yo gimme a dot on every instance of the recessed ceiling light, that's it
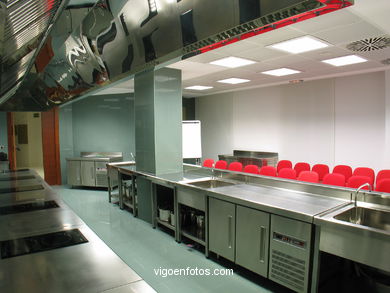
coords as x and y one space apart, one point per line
233 80
300 45
345 60
198 87
281 72
232 62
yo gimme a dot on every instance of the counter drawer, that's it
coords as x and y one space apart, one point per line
191 198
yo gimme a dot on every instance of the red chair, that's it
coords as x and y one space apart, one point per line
251 169
343 169
301 166
221 164
321 170
235 166
287 173
208 163
268 171
283 164
334 179
308 176
355 181
364 171
382 174
383 185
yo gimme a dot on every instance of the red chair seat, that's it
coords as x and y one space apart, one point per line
235 166
251 169
364 171
321 170
283 164
383 185
308 176
343 169
356 181
301 166
221 164
334 179
287 173
382 174
268 171
208 163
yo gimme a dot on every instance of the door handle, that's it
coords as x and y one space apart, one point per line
262 243
230 219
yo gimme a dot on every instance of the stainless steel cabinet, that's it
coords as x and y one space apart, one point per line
222 219
252 238
74 172
88 173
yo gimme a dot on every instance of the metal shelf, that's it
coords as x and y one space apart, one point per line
165 224
193 238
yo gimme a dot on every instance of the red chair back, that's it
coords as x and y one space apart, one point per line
364 171
221 164
308 176
264 162
301 166
321 170
283 164
251 169
208 163
268 171
355 181
235 166
287 173
334 179
343 169
383 185
382 174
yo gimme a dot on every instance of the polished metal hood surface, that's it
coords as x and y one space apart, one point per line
24 29
119 38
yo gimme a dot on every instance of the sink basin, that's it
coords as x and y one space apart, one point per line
211 183
366 217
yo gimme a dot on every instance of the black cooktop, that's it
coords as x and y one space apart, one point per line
28 207
15 177
39 243
20 188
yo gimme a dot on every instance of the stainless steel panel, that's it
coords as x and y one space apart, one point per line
118 39
191 198
73 169
135 287
356 240
222 232
290 248
252 240
89 267
88 177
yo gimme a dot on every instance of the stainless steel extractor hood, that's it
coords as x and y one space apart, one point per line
24 27
119 38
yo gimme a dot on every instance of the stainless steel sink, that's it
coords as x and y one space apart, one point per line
211 183
366 217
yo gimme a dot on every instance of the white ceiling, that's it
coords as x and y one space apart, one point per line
363 20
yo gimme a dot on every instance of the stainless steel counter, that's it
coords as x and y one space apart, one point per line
86 267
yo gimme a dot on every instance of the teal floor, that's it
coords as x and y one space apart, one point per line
146 249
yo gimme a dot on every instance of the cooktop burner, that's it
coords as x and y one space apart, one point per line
17 177
20 188
39 243
28 207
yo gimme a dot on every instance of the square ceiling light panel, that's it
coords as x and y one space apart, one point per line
281 72
232 62
233 80
198 87
345 60
300 45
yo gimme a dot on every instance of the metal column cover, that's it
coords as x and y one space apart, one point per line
158 116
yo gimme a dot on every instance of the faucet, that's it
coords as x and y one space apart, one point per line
360 188
213 171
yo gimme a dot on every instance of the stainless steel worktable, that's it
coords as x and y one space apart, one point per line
85 267
293 204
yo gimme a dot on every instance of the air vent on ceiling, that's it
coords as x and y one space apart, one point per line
386 61
370 44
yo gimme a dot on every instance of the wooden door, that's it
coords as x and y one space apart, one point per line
51 146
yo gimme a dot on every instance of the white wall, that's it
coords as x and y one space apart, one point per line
333 121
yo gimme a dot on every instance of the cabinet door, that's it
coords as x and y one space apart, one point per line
88 173
73 172
252 238
222 219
